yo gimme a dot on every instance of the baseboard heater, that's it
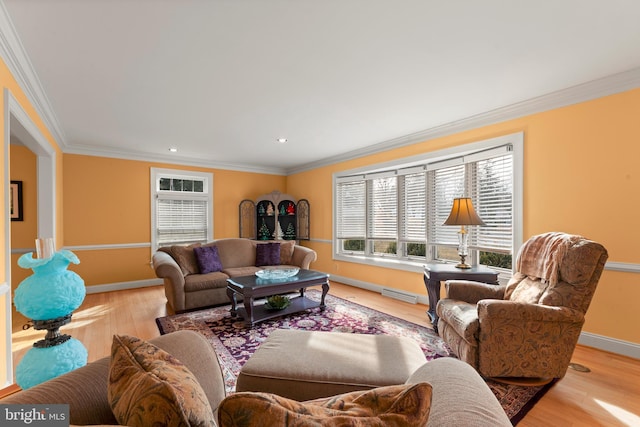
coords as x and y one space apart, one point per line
392 293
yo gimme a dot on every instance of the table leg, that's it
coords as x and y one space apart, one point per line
325 291
248 307
232 296
433 290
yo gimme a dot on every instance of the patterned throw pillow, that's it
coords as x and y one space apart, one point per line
268 254
208 259
186 258
286 251
406 405
147 386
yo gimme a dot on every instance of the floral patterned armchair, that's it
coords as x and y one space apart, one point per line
529 327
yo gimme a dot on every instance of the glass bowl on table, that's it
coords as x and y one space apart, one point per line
277 273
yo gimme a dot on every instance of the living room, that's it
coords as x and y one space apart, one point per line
579 163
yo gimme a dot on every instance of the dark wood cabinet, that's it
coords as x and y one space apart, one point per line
274 216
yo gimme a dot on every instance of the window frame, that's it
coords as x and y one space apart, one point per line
207 194
413 163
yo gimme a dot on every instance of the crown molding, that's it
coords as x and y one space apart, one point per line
609 85
15 57
170 159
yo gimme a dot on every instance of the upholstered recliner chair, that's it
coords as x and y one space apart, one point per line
529 327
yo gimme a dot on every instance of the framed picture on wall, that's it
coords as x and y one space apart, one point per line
16 201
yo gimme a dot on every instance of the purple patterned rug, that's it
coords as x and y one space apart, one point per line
235 343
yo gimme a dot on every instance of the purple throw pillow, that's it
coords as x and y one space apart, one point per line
208 259
268 254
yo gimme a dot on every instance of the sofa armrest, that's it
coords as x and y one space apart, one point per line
472 292
168 269
303 256
460 396
85 389
197 354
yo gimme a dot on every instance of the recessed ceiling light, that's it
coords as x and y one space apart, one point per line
173 149
281 140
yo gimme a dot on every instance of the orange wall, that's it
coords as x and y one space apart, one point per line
580 176
23 233
107 202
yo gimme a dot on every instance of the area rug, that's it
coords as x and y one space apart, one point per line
234 342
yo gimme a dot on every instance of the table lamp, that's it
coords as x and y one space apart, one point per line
462 213
48 297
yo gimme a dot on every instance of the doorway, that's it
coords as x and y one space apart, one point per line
19 126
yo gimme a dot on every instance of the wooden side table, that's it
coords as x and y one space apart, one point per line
434 273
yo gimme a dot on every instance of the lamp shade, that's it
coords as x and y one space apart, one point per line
463 213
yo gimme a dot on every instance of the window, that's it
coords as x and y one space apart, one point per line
413 223
181 207
382 228
486 177
396 213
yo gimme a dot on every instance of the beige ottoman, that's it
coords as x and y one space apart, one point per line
304 365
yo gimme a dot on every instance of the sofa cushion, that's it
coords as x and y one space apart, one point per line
268 254
208 259
148 386
185 257
202 282
286 251
397 405
241 271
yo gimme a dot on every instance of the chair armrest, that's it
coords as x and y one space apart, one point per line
493 310
472 292
538 340
303 256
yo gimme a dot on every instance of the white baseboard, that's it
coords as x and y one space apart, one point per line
421 298
120 286
611 345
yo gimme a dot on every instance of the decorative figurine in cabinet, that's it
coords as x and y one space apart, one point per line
274 216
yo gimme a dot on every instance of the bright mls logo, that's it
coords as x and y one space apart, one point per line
34 415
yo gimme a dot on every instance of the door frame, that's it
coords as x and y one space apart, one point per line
18 123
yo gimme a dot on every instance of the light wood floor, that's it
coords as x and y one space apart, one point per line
606 396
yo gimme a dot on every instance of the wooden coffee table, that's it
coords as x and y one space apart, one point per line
253 287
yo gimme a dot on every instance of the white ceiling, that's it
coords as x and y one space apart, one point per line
222 80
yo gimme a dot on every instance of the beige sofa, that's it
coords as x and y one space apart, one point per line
459 395
186 288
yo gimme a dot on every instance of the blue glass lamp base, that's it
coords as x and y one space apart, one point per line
41 364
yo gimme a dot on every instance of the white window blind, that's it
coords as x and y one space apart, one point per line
492 194
445 184
413 202
351 212
383 208
181 221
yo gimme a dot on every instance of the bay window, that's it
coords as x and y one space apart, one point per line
396 213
